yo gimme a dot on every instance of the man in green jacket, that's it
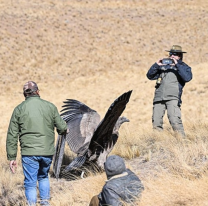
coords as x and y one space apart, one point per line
33 122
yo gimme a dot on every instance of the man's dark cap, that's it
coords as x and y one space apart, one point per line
30 87
114 165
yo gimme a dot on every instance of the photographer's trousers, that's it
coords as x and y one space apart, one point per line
173 113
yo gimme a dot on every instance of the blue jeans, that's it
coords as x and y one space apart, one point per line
36 168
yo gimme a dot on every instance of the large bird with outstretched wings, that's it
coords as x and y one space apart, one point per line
89 138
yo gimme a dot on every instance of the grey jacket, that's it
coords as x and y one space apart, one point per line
121 188
173 79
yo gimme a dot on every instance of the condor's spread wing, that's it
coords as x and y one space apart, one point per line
82 121
102 137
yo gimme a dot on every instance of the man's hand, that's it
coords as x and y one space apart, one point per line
159 62
13 165
175 61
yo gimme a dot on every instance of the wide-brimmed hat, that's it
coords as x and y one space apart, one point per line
30 87
176 49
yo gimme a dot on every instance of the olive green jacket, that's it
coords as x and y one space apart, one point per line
33 122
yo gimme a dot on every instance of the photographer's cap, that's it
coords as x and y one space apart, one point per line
176 49
30 87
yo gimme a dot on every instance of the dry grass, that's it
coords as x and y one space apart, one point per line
93 51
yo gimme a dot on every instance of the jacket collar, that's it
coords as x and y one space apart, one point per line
117 176
32 96
180 61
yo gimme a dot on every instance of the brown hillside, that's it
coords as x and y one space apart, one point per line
96 50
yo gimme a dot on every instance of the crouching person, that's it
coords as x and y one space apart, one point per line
122 185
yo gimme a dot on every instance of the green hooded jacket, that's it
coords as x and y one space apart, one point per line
33 122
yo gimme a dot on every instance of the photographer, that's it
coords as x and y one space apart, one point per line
171 75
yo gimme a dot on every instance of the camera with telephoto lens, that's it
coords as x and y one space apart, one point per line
167 61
